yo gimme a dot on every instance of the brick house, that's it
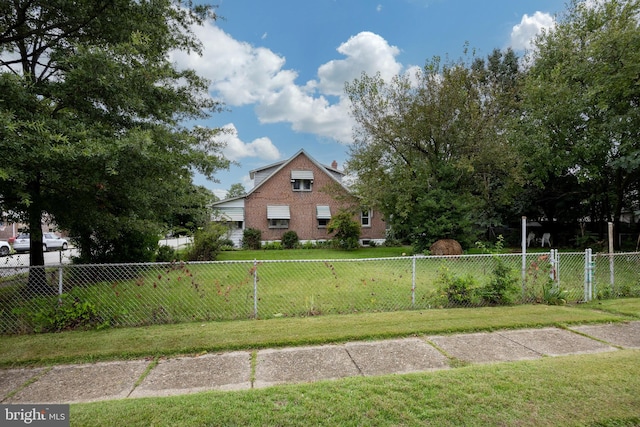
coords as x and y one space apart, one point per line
297 194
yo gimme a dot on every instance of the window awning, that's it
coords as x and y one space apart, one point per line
323 212
302 175
231 214
278 212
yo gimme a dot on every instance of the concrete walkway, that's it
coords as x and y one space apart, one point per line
235 370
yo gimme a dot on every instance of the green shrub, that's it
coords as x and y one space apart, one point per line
207 242
226 244
502 289
165 254
459 291
554 295
65 312
619 291
290 239
346 244
308 245
272 246
347 231
129 243
251 238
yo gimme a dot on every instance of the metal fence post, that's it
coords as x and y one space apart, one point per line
524 255
557 269
554 271
611 273
255 289
60 280
588 275
413 282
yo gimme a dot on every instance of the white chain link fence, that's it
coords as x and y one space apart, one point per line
67 296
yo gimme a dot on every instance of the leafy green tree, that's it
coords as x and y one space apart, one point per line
431 150
580 129
236 190
91 113
194 211
347 230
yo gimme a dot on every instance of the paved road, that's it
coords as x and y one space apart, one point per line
65 257
50 258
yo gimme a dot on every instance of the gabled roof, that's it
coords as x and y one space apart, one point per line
281 165
278 166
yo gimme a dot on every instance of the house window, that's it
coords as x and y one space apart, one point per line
278 223
301 180
278 216
323 215
365 218
301 184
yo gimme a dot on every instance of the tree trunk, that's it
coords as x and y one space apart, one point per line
37 283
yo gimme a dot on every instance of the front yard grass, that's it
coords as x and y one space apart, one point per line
595 390
198 337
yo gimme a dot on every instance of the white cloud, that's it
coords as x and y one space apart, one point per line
308 114
523 34
237 149
242 74
366 52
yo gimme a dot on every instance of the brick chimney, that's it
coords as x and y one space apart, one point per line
334 165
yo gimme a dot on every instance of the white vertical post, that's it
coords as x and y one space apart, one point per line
557 263
592 275
611 274
255 289
588 275
553 260
524 253
413 282
60 279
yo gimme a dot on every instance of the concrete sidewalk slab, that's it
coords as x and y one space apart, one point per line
12 379
233 370
555 342
303 364
83 383
225 371
395 356
621 334
483 347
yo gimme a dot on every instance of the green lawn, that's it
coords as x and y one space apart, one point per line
196 337
597 389
289 283
319 253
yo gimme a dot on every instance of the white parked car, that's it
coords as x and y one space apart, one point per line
49 242
4 248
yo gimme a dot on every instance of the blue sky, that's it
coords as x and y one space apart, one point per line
280 66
